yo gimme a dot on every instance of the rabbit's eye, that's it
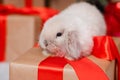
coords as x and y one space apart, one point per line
59 34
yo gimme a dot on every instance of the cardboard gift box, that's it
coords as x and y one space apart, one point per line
20 33
22 3
26 67
30 66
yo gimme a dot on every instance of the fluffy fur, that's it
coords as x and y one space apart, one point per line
71 32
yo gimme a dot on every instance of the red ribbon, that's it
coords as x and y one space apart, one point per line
112 17
104 48
85 69
28 3
2 36
42 12
51 68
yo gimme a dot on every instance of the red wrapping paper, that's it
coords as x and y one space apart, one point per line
112 17
104 48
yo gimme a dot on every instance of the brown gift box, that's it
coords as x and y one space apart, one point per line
26 66
22 34
21 3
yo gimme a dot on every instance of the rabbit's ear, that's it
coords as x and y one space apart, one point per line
72 44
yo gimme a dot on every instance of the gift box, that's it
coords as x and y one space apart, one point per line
26 67
22 3
18 34
35 66
19 29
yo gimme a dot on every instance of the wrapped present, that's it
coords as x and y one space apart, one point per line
18 34
22 3
19 29
100 65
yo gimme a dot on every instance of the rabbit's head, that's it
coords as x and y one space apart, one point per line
59 39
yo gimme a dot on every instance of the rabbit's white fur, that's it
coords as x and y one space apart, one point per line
79 23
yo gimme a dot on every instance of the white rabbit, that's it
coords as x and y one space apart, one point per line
70 33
